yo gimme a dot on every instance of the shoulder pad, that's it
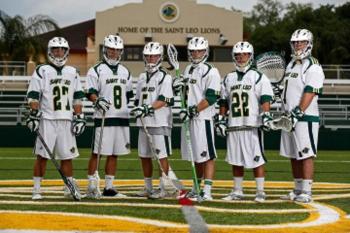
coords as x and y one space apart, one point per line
209 66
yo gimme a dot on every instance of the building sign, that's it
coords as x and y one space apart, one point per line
169 30
169 12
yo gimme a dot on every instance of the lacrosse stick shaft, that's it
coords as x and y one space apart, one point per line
67 182
176 183
99 150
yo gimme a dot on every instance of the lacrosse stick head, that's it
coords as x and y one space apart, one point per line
272 64
284 123
172 56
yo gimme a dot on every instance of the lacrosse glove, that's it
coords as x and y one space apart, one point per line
267 121
187 114
220 125
143 111
102 104
277 91
78 125
295 115
33 120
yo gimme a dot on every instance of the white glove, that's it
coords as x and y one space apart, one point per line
78 124
267 121
178 85
33 120
143 111
102 104
220 125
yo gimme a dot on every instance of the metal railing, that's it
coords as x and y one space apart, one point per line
13 68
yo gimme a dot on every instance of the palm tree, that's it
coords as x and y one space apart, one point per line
19 39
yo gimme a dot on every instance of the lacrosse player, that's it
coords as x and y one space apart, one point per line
154 98
303 83
247 94
202 92
109 87
54 97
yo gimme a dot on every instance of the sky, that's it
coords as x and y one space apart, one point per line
69 12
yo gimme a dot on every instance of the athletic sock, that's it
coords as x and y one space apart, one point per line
207 187
260 184
37 181
307 185
148 183
298 184
238 180
109 181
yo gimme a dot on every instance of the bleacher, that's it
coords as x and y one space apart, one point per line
334 103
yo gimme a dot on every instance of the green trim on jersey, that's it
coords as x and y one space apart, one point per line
310 89
78 95
37 70
210 66
114 69
260 74
164 74
112 122
310 118
58 69
33 95
169 101
265 98
96 66
212 96
240 75
312 61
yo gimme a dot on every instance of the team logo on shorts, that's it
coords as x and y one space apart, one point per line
305 150
204 154
127 145
157 151
257 158
72 149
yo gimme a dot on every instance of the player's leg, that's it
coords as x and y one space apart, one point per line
38 174
259 174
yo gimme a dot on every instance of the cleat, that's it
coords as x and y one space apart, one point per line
67 193
303 198
291 196
112 193
143 193
37 196
160 194
93 193
191 194
202 197
234 196
260 197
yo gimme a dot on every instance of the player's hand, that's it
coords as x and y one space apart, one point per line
143 111
220 125
178 85
102 104
33 120
295 115
78 124
187 114
267 121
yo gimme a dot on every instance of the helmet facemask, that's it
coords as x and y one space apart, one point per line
116 43
55 47
298 36
152 48
243 48
198 43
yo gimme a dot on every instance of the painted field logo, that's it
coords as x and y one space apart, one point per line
169 12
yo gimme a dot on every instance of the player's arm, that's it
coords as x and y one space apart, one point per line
33 96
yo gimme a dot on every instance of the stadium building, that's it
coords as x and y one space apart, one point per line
164 21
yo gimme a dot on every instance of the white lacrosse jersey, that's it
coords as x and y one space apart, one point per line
302 78
244 94
153 87
203 81
114 83
55 88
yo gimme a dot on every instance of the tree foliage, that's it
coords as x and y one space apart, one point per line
271 24
18 36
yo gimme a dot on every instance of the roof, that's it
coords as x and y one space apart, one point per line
75 35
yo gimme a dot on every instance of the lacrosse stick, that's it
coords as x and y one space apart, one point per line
96 175
174 182
283 122
71 186
240 128
172 56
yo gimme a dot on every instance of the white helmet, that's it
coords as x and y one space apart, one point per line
153 48
57 42
198 43
113 42
301 35
243 47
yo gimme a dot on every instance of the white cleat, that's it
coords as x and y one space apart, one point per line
303 198
234 196
291 196
37 196
260 197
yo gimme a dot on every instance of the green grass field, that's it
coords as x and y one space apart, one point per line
331 166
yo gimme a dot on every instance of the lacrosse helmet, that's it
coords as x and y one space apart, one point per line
301 35
198 43
243 47
112 42
57 42
153 48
